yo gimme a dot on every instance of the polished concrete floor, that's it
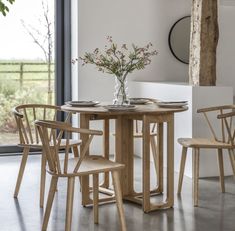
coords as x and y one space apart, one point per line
216 211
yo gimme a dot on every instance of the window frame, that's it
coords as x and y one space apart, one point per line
63 86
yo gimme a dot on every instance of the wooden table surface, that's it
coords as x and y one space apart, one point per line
149 113
150 108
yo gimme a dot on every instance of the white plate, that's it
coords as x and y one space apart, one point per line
172 103
82 103
120 107
138 101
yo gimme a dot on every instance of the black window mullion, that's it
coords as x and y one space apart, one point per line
63 52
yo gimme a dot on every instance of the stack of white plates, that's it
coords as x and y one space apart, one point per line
171 104
120 107
82 103
138 101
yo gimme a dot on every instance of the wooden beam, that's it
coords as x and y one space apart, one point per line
203 42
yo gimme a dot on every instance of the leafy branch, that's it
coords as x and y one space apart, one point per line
119 61
4 7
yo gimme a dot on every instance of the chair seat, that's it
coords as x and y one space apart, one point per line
62 145
90 165
140 134
202 143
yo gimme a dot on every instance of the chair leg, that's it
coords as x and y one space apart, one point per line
95 197
106 145
76 154
43 179
75 151
195 175
69 206
221 169
50 199
21 170
118 195
232 160
182 166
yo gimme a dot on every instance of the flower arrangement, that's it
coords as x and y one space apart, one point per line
119 61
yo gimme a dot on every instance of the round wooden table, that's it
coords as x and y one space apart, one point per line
149 113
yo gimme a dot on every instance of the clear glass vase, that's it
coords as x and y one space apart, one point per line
121 96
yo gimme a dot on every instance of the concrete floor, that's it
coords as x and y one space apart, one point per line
216 211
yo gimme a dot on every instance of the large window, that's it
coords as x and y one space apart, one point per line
29 72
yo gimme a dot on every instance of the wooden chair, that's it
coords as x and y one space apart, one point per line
25 116
220 140
75 167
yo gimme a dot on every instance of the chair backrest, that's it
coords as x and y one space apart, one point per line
48 131
225 125
229 122
25 116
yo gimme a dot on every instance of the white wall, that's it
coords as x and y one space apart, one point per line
129 21
139 22
226 48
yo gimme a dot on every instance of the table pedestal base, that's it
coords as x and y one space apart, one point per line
124 154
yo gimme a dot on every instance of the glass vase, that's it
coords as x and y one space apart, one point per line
121 96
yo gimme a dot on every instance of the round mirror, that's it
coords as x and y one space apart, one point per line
179 39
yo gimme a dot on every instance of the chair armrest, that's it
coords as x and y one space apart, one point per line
66 127
15 112
215 108
87 131
226 115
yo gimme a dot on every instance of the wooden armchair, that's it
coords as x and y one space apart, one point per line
25 116
71 168
220 140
